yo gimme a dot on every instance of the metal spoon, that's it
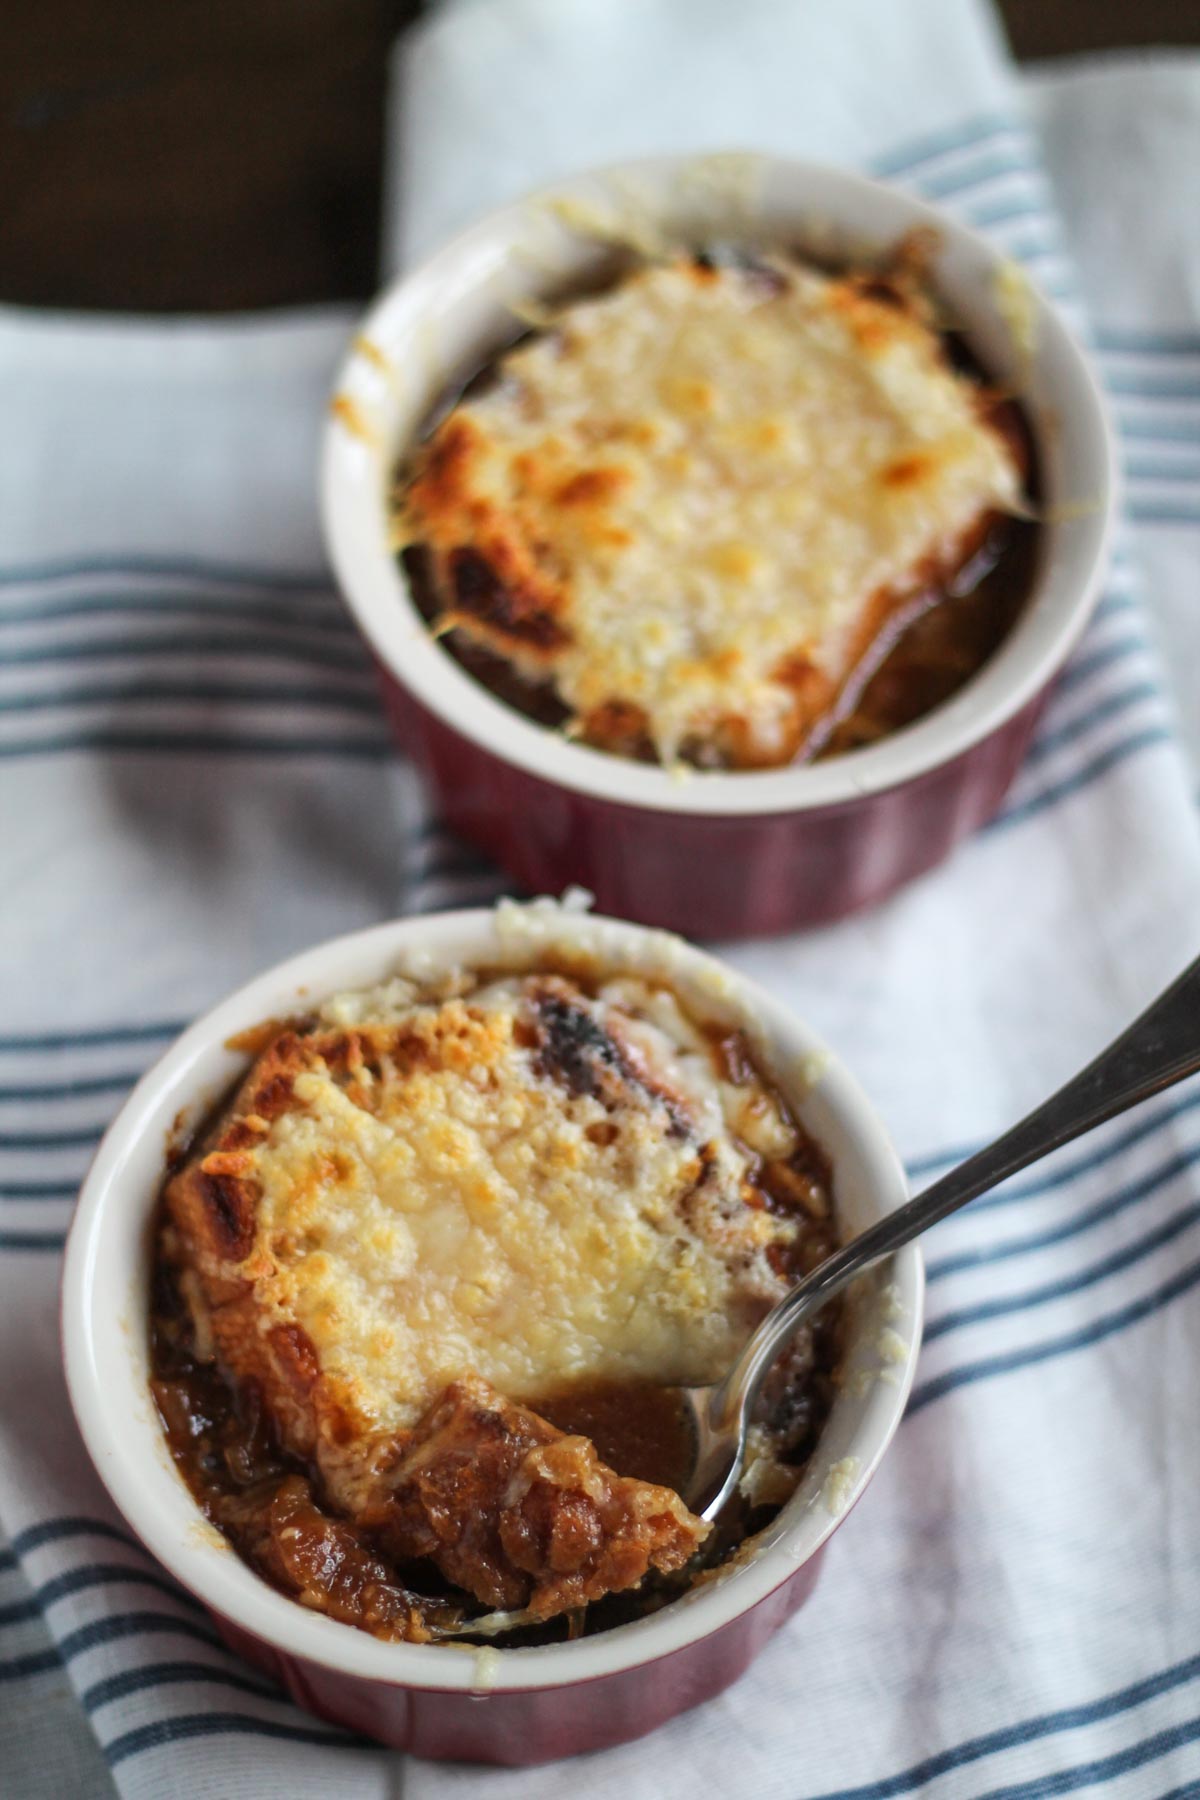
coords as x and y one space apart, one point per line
1161 1047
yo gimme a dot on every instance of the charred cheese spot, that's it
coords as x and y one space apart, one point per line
488 600
230 1211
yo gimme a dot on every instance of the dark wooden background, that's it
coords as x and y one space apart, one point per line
207 154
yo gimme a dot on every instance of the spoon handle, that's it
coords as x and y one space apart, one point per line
1161 1047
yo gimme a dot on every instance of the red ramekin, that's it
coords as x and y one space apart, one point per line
507 1706
723 854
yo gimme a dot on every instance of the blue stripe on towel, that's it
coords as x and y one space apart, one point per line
32 1243
1101 1769
70 1090
1005 212
114 1627
957 1318
91 1575
53 1531
1119 341
1152 737
991 168
1097 1214
202 1725
148 693
200 743
231 643
1143 386
1163 512
1026 1731
167 1674
1094 662
1140 428
1112 706
1162 471
372 749
185 568
234 610
1029 1355
21 1193
22 1668
1067 1170
92 1036
966 135
50 1140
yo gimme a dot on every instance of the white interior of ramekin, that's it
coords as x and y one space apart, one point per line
436 324
105 1287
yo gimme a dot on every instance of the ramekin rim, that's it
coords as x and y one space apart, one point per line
123 1450
1013 676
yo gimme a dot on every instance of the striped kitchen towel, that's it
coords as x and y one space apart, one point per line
195 780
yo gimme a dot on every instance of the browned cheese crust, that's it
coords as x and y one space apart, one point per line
693 513
510 1509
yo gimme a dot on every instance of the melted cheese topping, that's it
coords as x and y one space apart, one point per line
523 1193
694 496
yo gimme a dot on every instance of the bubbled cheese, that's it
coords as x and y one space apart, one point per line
700 491
473 1205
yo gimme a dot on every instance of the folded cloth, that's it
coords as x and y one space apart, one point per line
1121 138
194 781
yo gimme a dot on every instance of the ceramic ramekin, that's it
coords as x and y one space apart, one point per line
512 1706
716 855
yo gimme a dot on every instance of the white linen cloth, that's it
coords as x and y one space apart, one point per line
194 781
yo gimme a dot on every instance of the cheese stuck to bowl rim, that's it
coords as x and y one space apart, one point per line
457 306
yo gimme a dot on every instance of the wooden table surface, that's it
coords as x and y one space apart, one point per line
209 154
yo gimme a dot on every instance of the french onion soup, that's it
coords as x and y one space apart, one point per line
730 512
425 1282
